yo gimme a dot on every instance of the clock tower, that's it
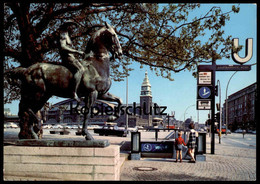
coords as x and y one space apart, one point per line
146 100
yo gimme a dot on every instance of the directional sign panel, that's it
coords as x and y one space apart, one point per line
203 104
233 67
204 92
224 67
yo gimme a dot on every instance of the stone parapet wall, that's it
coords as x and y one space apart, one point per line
61 163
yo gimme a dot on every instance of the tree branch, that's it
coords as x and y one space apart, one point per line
12 53
41 26
142 60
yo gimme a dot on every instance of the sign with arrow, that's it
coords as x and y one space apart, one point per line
204 92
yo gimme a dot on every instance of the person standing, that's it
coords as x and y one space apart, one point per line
192 142
178 146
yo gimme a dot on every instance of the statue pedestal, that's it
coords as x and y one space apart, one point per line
61 163
62 143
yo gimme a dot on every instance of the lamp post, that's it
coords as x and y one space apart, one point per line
227 102
185 112
126 115
226 98
220 112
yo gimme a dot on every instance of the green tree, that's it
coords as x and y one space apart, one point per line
165 37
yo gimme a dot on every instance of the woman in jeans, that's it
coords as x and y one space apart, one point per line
192 142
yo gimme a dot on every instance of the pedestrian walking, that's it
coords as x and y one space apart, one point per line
179 142
192 142
244 132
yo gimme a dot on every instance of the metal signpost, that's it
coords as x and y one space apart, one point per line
206 89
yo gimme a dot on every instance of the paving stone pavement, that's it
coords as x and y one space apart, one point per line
229 163
234 160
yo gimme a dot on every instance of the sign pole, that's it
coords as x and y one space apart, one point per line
213 108
204 79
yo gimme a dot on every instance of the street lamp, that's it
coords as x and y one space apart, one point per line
126 115
220 112
185 112
227 102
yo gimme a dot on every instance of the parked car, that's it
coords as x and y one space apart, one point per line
249 131
132 129
228 131
110 130
91 127
238 131
47 126
57 126
68 126
140 127
11 125
74 126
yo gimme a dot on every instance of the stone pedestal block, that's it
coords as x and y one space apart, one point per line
61 163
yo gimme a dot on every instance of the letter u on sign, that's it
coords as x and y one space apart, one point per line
248 51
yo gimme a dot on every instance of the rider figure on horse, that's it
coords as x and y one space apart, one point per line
67 55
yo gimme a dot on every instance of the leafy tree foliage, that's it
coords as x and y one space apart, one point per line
165 37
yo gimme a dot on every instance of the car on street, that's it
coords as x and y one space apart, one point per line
238 131
74 127
110 130
132 129
140 127
228 131
57 126
47 126
68 126
250 131
11 125
91 127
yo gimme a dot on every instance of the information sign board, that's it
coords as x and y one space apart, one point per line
205 78
156 147
203 104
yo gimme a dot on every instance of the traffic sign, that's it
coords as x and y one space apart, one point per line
203 104
224 68
205 78
233 67
204 92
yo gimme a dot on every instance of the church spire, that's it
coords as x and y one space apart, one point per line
146 86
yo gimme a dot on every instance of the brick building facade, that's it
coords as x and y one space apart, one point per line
241 108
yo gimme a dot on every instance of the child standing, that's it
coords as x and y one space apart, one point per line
178 146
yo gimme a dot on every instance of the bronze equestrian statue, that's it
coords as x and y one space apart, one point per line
67 55
41 81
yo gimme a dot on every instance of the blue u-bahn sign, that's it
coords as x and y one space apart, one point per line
204 92
156 147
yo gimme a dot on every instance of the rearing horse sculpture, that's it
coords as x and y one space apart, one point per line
40 81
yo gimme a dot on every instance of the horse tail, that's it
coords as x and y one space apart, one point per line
15 76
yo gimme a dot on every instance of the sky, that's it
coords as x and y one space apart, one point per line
180 95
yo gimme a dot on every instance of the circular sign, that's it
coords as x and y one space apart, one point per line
147 147
204 92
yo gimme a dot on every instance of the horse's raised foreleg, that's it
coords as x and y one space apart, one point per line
110 97
89 101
